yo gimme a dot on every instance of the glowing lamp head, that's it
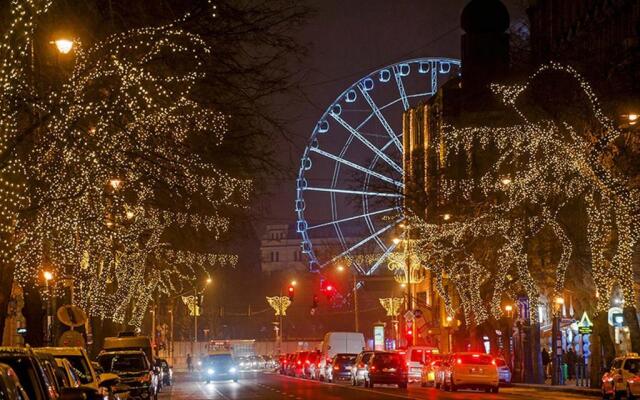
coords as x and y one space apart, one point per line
340 268
446 217
508 308
449 319
396 241
294 283
130 214
48 275
633 118
64 46
559 300
506 181
115 183
209 280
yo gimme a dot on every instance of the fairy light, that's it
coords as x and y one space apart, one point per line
550 165
81 192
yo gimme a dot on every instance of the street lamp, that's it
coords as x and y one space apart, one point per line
340 268
48 276
446 217
558 376
209 280
294 283
509 309
115 183
64 46
633 118
506 181
396 241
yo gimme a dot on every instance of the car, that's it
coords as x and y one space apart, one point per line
338 342
359 367
70 376
440 369
384 367
471 370
10 386
167 372
622 377
298 363
428 373
310 366
135 371
504 372
36 381
291 364
220 366
416 357
340 367
79 360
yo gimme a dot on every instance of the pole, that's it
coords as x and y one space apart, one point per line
154 344
355 303
171 333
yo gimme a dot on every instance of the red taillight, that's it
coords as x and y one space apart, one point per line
299 362
373 368
361 365
459 360
493 361
336 368
307 362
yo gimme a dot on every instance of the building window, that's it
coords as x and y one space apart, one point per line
272 256
277 256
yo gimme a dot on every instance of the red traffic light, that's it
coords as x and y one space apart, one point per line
290 292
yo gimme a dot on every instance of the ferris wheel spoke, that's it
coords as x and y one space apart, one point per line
354 217
381 117
367 143
401 89
357 192
356 166
362 242
384 256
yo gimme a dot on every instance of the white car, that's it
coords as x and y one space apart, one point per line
416 357
471 370
504 372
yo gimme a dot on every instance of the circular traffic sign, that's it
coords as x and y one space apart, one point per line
72 315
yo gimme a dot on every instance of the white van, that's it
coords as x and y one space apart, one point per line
338 343
416 357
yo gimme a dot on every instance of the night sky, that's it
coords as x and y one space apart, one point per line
346 40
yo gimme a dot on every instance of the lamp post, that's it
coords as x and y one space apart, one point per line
558 377
171 334
48 276
64 46
509 311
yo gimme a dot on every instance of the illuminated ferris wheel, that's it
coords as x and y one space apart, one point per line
349 190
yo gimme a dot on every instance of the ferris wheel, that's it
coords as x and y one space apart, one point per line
349 190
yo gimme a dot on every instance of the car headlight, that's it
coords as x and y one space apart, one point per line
232 370
199 362
242 364
210 371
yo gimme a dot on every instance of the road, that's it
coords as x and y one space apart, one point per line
268 386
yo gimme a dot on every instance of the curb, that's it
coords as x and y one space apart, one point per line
566 389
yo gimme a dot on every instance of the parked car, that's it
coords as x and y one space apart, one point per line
622 377
471 370
504 372
10 386
385 367
167 372
428 375
338 343
359 367
67 369
82 367
340 367
220 366
291 364
135 371
416 357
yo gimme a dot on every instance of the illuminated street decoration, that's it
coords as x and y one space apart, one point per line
359 159
561 166
392 305
279 304
80 193
192 305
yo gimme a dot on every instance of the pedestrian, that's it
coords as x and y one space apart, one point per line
189 363
571 362
546 359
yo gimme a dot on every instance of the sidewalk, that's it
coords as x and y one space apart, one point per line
568 388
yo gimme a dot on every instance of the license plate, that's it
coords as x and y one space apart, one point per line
388 370
478 371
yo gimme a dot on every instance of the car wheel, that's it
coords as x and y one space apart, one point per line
402 385
452 386
616 394
496 389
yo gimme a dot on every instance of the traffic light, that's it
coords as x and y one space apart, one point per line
408 333
328 289
290 292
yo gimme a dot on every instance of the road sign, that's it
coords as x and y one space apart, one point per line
585 326
409 316
72 316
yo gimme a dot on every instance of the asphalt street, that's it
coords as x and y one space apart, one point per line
269 386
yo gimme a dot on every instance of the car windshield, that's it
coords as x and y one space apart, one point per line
474 359
387 360
80 367
123 362
632 365
219 360
345 358
27 375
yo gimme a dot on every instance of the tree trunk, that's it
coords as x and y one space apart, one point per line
6 284
603 350
34 315
536 354
631 318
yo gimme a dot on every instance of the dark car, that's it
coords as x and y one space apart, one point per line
167 371
382 367
340 367
134 370
220 367
36 381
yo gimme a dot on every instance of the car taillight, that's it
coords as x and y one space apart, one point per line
361 365
336 368
307 362
299 362
459 361
373 368
493 361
